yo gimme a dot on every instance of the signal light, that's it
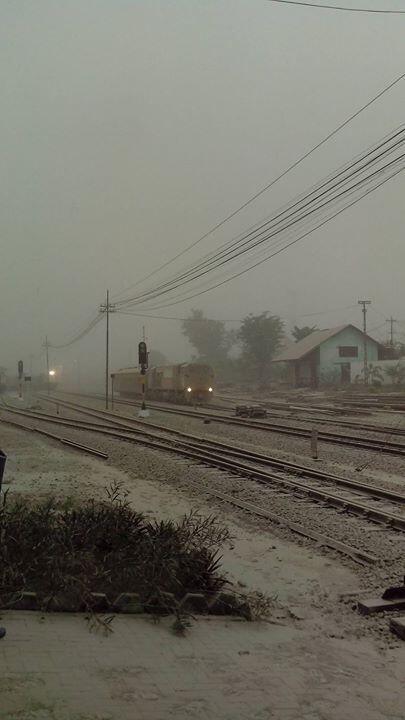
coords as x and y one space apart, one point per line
189 389
210 389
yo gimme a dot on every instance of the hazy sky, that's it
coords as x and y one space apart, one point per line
129 128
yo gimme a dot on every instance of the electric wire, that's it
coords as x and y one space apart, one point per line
339 7
242 237
270 184
277 252
261 239
254 235
79 336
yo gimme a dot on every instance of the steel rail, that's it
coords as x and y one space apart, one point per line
322 540
62 440
209 457
200 442
381 446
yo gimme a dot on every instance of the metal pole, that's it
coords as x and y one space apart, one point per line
3 458
143 407
365 359
107 309
391 322
112 391
47 365
314 443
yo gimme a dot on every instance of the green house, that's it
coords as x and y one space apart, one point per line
326 356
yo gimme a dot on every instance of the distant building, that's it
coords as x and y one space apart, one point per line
327 356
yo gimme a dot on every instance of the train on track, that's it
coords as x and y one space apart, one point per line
187 383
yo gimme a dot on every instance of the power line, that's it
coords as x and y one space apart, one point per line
80 335
181 318
263 237
277 252
339 7
271 183
255 238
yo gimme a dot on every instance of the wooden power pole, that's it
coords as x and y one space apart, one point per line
108 308
364 311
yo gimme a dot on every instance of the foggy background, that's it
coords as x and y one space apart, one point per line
129 128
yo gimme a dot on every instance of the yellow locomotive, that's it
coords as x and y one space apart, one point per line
188 383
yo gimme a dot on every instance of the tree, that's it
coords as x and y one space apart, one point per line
155 357
209 337
261 336
396 373
301 333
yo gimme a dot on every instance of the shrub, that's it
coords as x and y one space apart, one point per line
70 551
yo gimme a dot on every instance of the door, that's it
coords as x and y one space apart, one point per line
345 376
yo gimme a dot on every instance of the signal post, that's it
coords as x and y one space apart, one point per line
143 362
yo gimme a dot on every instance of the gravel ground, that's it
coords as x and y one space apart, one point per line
190 478
388 546
367 466
315 658
74 476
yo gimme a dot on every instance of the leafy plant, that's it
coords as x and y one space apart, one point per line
66 552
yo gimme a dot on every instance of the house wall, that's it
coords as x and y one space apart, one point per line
383 365
307 369
330 361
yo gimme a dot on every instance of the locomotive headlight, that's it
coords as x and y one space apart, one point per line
209 389
189 389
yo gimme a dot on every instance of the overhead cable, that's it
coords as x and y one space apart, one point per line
80 335
339 7
282 249
256 237
269 184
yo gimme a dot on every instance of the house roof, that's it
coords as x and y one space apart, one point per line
303 347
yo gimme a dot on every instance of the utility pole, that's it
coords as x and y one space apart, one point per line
143 362
47 364
107 308
364 311
391 321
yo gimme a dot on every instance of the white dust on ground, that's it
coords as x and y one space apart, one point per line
317 664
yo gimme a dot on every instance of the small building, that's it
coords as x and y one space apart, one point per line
327 356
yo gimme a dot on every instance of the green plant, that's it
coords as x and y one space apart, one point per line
65 552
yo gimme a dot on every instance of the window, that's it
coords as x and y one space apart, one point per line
348 351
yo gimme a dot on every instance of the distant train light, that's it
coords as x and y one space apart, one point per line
52 373
189 389
209 389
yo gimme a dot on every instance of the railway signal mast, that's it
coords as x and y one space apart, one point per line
143 362
20 377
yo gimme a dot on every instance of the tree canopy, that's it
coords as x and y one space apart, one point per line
208 337
155 357
300 333
260 336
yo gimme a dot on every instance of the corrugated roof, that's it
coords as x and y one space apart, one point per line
299 349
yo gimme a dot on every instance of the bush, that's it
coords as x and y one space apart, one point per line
71 551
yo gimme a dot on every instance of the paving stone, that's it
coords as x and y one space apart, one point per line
374 605
25 601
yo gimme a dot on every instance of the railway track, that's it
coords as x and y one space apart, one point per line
330 419
322 540
291 478
364 443
64 441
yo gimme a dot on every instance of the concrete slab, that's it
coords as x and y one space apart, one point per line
374 605
397 626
